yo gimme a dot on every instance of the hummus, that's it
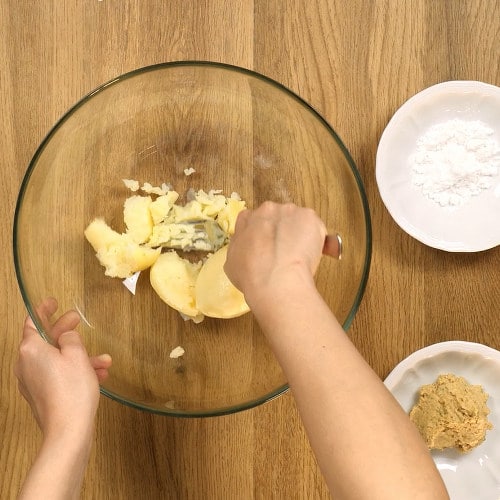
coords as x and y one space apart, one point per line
451 413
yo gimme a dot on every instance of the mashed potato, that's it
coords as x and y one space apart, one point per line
156 227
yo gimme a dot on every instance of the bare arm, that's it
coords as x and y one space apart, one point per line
58 469
61 384
365 444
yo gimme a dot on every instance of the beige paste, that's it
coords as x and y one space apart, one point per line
451 413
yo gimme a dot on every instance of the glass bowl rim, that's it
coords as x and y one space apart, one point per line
232 68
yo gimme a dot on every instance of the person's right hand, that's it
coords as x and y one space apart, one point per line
60 382
272 245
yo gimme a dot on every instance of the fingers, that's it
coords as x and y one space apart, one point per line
101 365
45 311
101 361
68 321
47 308
333 246
71 341
102 374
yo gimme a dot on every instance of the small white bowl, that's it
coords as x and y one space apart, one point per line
470 227
475 474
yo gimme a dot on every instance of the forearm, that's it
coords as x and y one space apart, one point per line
59 468
364 443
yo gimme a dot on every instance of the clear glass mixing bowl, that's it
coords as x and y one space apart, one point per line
241 132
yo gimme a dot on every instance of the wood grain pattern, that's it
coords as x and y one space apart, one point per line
356 62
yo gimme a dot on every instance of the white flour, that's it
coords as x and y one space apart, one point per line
455 160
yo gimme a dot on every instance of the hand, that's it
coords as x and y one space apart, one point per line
272 258
60 382
272 244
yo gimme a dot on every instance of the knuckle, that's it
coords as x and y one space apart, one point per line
27 349
267 206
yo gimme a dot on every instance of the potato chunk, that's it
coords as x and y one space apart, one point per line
216 296
118 253
99 234
161 207
227 216
173 279
137 218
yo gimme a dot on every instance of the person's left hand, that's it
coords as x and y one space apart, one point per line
60 382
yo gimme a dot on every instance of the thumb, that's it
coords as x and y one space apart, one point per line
71 341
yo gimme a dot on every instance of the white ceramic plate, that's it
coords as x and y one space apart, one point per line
475 475
471 227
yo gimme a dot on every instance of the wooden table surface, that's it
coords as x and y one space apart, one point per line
356 62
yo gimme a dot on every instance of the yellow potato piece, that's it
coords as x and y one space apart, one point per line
211 202
161 207
216 296
228 215
173 279
137 218
189 211
126 258
99 234
118 253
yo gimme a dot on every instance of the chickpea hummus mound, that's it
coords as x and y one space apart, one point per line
451 413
